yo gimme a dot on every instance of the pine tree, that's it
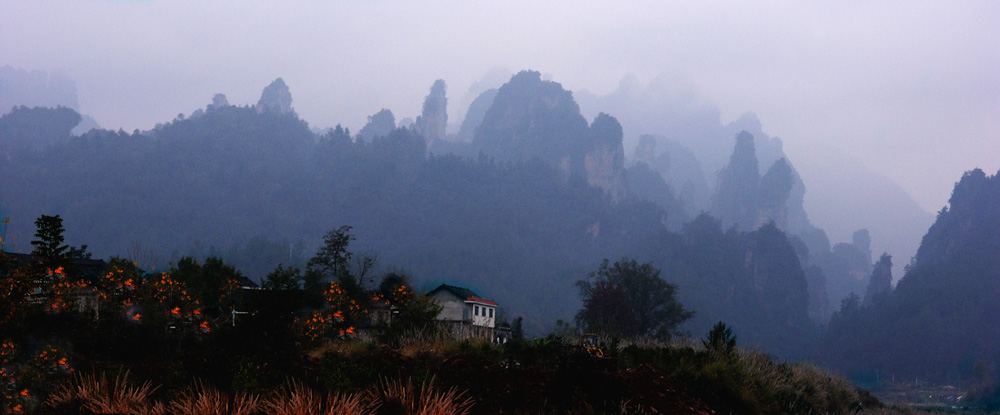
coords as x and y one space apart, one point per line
49 240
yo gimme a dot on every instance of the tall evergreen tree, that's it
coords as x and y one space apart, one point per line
49 239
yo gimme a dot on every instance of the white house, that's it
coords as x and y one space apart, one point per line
466 312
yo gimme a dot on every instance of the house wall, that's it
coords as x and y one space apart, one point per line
484 319
452 307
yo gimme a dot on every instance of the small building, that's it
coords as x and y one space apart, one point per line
466 313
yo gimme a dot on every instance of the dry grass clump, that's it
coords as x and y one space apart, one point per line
426 341
343 348
297 399
96 394
401 398
204 400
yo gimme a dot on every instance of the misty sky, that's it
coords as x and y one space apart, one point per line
912 89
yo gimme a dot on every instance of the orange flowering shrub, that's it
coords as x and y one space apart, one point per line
7 351
313 326
15 289
168 291
51 360
21 375
401 295
8 380
166 297
62 292
119 285
336 318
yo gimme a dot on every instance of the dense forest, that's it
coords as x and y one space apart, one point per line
84 336
940 321
520 207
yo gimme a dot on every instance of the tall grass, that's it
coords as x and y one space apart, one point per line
747 381
96 394
298 399
426 341
402 398
205 400
740 381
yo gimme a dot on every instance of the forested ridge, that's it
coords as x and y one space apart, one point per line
941 319
258 189
508 214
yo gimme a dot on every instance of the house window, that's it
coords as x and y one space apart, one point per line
477 311
491 313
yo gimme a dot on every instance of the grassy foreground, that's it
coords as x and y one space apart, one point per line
433 374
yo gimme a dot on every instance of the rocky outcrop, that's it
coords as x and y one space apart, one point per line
275 98
433 118
605 162
645 152
881 279
735 201
532 118
772 196
474 116
220 100
748 200
862 240
379 125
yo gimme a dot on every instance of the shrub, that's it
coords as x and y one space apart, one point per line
398 398
297 399
96 394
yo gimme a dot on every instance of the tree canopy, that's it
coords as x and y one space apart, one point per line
49 239
630 299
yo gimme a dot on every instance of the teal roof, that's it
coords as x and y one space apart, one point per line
459 292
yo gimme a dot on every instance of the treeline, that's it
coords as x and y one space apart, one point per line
335 336
62 312
233 174
259 186
942 320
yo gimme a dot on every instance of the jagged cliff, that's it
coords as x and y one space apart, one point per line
433 117
275 98
772 195
379 124
735 200
475 114
880 282
605 162
531 118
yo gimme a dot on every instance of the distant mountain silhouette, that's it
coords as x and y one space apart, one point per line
943 316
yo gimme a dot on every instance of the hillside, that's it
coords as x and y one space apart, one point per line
941 318
257 188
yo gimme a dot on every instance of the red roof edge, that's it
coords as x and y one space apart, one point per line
481 301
